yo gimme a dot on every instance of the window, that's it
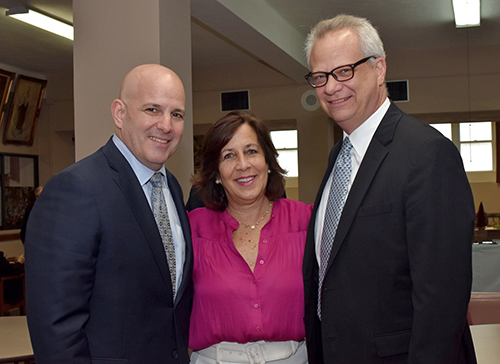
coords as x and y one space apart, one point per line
286 144
476 146
444 128
475 142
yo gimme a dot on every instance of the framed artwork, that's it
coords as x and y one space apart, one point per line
24 110
19 178
6 79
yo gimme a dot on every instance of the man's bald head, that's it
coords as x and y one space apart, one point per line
149 114
146 74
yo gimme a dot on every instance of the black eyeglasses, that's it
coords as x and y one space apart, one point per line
341 74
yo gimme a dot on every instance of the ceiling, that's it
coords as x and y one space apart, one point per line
266 36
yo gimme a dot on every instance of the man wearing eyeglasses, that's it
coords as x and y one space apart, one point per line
387 266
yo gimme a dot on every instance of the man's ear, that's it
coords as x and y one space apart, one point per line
381 68
117 111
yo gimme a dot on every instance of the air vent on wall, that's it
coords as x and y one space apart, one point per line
235 100
398 90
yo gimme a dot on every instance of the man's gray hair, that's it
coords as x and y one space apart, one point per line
370 42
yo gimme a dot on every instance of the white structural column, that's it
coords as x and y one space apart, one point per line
111 38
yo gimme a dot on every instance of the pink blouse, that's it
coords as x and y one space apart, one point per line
233 304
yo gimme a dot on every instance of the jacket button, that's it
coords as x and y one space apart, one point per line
175 354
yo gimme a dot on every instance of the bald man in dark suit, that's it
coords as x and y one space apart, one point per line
100 286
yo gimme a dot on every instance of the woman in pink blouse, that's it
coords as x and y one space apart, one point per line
248 247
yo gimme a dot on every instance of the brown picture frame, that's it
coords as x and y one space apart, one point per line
6 79
24 110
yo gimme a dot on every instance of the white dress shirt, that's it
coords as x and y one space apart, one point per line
143 174
360 140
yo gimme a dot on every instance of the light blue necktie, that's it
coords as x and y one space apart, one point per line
335 205
160 213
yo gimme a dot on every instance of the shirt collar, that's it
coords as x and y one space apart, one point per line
362 136
142 172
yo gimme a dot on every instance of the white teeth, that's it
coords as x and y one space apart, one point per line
243 180
337 101
159 140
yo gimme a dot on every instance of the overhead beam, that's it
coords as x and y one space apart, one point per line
257 28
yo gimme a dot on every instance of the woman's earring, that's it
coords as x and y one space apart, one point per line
268 171
217 181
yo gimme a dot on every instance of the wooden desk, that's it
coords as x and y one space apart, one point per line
15 344
486 343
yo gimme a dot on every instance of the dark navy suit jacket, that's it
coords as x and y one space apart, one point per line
97 281
398 281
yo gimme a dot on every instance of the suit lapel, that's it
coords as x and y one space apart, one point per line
375 155
127 181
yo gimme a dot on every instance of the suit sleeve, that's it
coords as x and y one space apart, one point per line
61 253
440 224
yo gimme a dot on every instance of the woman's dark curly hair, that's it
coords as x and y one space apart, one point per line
219 134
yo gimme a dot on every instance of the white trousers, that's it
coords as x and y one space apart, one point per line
260 352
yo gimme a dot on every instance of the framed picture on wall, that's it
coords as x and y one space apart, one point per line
19 178
6 79
24 110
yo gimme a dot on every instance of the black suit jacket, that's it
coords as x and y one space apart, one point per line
398 281
97 281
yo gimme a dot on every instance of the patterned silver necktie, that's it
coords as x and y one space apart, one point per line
334 207
160 213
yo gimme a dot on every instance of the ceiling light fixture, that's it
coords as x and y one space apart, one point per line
467 13
42 21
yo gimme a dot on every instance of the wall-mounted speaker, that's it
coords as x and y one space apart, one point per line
234 100
309 100
398 90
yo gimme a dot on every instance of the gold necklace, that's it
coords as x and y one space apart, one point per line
252 226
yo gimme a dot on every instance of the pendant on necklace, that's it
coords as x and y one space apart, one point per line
262 218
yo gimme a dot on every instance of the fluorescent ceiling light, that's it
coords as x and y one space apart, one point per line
42 21
467 13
